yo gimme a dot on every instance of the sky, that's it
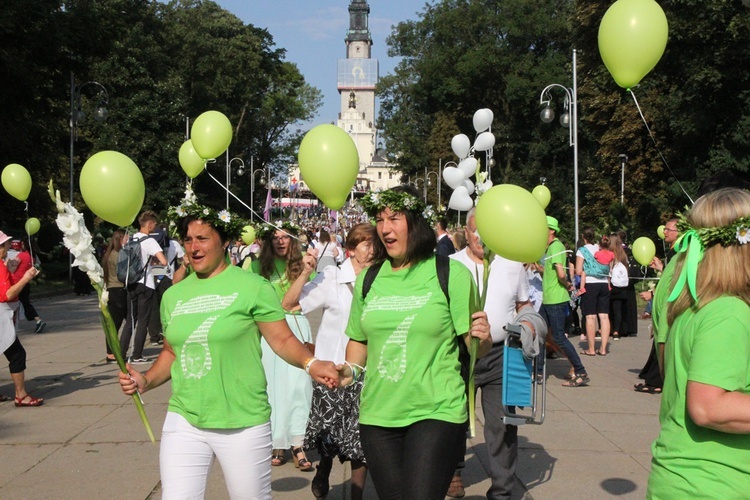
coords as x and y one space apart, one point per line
313 32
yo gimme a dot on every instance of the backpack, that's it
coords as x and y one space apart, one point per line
593 267
130 269
443 268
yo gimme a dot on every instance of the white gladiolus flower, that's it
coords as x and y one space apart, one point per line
105 297
68 224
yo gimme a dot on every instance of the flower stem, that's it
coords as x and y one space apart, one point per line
113 342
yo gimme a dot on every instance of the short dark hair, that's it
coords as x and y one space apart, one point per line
589 234
182 228
442 223
147 216
422 240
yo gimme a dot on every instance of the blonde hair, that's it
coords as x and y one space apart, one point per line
724 270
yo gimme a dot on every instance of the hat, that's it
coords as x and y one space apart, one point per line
4 237
552 224
16 245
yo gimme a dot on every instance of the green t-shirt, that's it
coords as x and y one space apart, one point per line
710 346
660 305
279 281
218 380
552 291
413 370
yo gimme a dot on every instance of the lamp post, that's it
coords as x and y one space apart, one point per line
252 184
569 119
77 115
429 183
623 161
240 171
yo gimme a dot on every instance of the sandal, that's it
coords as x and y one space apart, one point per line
586 353
647 388
278 458
579 380
29 400
302 463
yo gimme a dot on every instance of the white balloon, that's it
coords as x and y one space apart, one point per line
468 167
460 200
469 186
453 177
460 145
482 119
484 141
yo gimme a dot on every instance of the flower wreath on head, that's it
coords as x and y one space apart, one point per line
288 227
694 241
230 223
375 202
738 232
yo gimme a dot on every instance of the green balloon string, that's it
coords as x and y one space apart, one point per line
690 244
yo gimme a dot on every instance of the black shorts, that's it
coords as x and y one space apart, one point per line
596 299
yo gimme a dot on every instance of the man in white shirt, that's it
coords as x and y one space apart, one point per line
507 292
141 295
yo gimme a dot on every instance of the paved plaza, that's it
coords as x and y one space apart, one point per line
87 441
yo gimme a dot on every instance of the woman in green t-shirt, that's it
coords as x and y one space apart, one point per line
213 323
704 443
406 331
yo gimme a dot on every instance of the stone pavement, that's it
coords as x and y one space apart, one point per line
88 442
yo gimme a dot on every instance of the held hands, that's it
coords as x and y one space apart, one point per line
31 273
323 372
132 381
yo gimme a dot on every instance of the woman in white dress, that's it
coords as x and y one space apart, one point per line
333 425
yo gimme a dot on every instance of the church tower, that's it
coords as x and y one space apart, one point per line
357 77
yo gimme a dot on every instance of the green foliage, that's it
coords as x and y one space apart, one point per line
161 64
462 55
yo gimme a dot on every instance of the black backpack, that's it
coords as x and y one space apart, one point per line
130 268
443 268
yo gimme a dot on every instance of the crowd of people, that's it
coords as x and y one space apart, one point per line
381 384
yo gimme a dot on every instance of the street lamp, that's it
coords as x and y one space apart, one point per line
569 119
429 184
77 115
240 171
623 161
252 184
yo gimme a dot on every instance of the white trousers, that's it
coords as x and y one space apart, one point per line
187 454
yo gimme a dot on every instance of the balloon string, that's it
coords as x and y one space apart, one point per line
653 140
25 206
248 207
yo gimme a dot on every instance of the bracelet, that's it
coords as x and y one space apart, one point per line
354 372
308 363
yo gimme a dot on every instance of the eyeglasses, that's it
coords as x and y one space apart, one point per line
671 230
281 238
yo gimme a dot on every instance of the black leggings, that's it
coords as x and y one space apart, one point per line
414 462
16 355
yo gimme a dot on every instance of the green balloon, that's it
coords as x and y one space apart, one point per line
644 250
17 181
660 232
542 195
632 38
112 186
32 226
190 160
512 223
329 164
211 134
248 235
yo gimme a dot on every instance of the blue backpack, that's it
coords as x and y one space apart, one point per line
593 267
